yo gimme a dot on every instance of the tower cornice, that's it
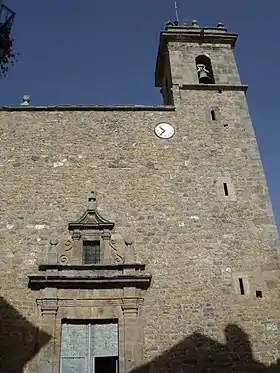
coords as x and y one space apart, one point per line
211 35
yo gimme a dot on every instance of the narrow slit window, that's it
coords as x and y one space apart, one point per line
241 286
91 252
226 189
213 115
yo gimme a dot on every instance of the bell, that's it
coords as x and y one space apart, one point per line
204 77
203 74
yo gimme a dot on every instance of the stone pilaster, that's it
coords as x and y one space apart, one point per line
77 256
47 359
176 94
131 333
52 252
107 255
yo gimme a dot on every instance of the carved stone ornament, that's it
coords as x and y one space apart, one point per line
91 219
65 268
90 226
64 254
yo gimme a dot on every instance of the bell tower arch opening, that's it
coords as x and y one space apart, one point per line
204 69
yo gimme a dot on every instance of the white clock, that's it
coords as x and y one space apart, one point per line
164 130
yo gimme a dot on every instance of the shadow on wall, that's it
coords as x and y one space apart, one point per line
19 339
200 354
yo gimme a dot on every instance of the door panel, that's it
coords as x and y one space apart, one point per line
104 339
73 365
85 345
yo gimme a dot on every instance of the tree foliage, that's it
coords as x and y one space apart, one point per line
8 56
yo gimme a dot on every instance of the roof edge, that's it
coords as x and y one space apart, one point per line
90 108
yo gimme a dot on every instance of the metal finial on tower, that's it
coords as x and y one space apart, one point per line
220 25
176 11
25 100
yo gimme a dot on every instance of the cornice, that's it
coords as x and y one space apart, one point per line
89 108
214 87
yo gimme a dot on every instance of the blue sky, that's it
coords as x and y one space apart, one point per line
104 52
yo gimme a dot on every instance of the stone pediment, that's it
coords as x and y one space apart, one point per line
91 219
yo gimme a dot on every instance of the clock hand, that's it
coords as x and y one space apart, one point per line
163 130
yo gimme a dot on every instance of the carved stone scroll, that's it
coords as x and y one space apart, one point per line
65 251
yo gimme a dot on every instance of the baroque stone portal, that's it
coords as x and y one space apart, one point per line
91 284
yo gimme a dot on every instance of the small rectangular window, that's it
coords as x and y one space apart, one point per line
91 252
213 115
225 189
241 286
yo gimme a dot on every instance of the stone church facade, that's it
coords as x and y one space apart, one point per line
127 230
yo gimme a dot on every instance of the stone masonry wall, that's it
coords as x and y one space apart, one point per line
167 193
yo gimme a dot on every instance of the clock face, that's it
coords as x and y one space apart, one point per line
164 130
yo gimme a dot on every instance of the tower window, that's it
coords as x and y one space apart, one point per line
258 294
91 252
241 286
213 115
225 189
204 70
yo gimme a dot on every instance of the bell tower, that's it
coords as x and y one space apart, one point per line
224 185
194 57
